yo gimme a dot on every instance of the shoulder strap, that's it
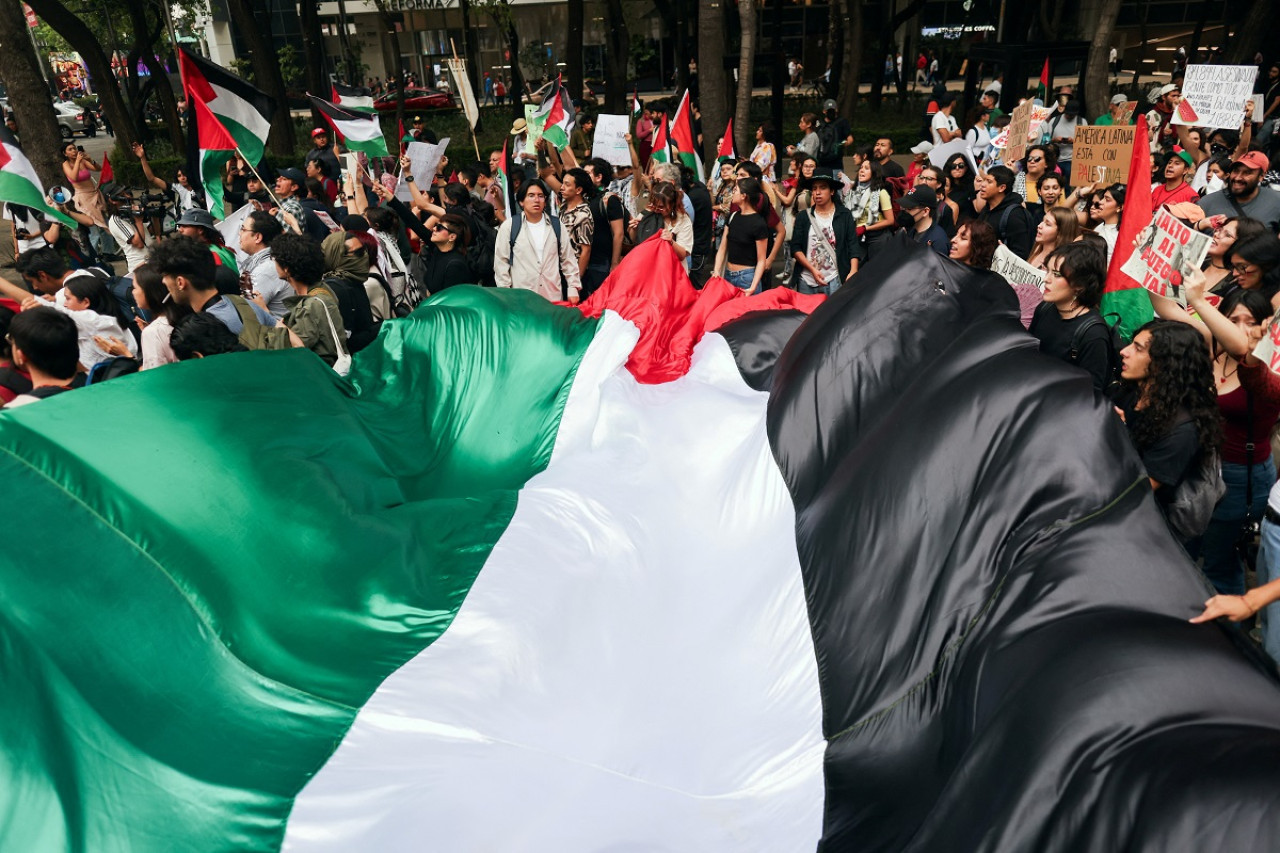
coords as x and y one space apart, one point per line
516 221
1077 337
247 315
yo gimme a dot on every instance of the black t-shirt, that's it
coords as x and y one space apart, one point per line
1055 336
604 212
891 169
742 232
1169 458
701 201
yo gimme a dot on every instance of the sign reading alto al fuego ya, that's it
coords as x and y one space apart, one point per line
1101 154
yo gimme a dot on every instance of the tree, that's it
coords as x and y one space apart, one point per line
851 23
1259 21
73 28
1097 70
617 50
893 23
145 36
747 17
712 89
389 27
313 46
28 95
573 62
266 71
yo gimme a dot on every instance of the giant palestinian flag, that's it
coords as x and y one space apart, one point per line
357 131
244 111
683 570
19 183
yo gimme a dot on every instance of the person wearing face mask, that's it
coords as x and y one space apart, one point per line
1248 395
917 212
1244 195
1062 132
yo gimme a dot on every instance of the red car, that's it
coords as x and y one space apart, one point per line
416 99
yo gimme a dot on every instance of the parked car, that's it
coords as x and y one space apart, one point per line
416 99
70 118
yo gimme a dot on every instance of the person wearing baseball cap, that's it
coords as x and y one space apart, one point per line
840 134
824 238
920 205
322 150
1243 195
1175 189
198 225
1114 115
919 161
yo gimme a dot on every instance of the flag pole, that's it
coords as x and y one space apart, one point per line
256 175
474 142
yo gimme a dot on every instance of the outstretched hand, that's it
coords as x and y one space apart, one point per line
1234 607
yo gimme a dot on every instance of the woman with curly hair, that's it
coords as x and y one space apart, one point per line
1167 402
974 245
1067 322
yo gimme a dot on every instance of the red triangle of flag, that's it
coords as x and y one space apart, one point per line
210 132
108 174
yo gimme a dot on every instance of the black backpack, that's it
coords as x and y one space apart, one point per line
480 250
828 142
111 368
1115 343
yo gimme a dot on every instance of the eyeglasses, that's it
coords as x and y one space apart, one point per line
1035 159
1243 269
439 227
244 230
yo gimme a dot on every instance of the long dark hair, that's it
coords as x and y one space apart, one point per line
150 282
877 175
1179 380
961 187
101 301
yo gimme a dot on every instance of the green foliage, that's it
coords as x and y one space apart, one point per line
242 67
533 59
292 69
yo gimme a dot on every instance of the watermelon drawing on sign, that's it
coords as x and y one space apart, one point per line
1186 113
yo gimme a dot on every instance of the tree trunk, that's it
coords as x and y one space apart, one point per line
617 48
835 45
573 62
746 64
28 96
471 51
266 72
1145 7
851 18
516 92
389 30
1097 91
713 94
82 39
313 47
778 76
1249 33
144 39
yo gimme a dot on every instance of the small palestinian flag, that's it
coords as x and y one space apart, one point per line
1042 91
683 140
19 183
556 112
352 99
679 570
357 131
504 183
636 109
728 147
661 142
108 174
1123 298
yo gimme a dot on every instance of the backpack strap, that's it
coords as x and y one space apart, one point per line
1004 221
242 308
1077 337
516 222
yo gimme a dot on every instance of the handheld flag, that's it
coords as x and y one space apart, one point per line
556 113
635 103
728 150
215 145
1123 297
19 183
504 184
358 131
352 99
108 174
462 85
1042 92
682 138
661 142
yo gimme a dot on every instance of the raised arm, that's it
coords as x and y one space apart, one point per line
1233 339
141 154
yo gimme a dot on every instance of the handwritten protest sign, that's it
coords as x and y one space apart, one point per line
1019 127
610 141
1102 153
1214 95
425 162
1268 349
1014 269
1167 253
535 123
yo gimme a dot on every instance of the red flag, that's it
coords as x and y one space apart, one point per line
1122 296
211 133
107 173
727 148
1044 82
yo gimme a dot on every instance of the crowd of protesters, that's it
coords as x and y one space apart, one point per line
322 257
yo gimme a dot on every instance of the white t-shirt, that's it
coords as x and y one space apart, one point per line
123 229
941 121
538 233
821 250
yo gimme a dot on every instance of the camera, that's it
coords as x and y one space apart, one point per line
139 201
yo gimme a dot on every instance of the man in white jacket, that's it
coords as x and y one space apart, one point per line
540 256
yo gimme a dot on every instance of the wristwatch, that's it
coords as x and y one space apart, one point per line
408 179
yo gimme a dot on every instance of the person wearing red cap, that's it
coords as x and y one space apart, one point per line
1175 188
1243 195
322 151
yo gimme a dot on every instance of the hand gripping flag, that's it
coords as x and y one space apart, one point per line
357 131
19 183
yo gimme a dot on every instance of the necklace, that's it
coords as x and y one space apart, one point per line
1235 367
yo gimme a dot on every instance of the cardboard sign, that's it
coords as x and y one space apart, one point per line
1167 253
1014 269
610 142
424 159
1019 128
1102 153
1257 106
1215 95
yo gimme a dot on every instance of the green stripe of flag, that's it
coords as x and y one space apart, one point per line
174 672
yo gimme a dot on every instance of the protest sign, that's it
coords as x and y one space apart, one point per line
1019 128
610 142
535 123
229 228
1014 269
1214 95
1268 349
1167 253
1126 115
424 159
1257 106
944 152
1101 153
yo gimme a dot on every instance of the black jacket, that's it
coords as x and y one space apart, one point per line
848 246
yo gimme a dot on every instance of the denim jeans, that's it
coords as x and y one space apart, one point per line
826 289
1269 570
1217 546
740 279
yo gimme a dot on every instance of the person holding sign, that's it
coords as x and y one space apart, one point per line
1067 323
1116 114
1249 402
